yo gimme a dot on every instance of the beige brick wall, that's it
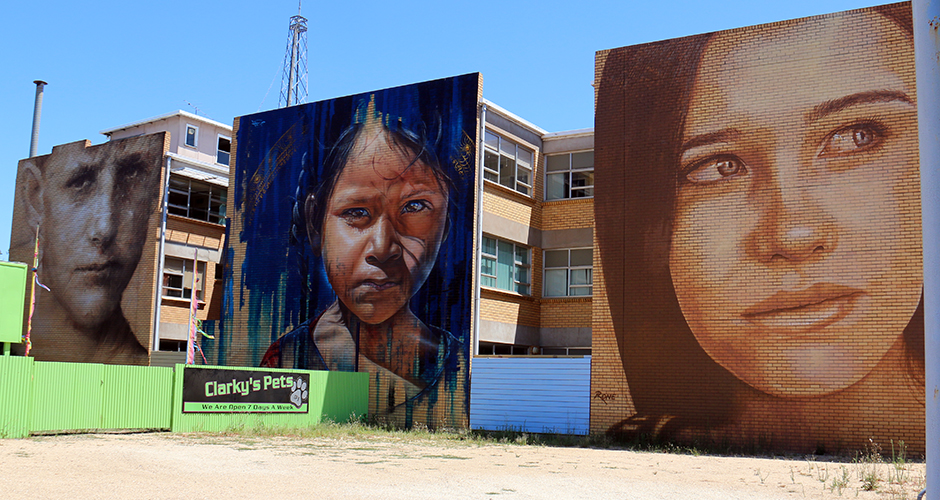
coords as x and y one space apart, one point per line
566 312
568 214
206 235
496 305
660 365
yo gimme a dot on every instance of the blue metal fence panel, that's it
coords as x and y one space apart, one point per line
538 394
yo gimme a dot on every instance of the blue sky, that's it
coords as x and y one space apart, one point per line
109 63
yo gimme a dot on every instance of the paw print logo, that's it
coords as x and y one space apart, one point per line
298 392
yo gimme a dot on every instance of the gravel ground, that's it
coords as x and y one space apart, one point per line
163 465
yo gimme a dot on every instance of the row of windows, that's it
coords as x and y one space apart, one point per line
507 163
223 147
569 272
178 278
196 199
492 348
568 175
506 266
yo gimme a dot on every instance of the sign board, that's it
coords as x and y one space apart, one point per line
212 390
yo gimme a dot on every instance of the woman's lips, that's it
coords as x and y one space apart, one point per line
815 307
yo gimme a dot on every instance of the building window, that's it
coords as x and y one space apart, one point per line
570 175
197 200
505 265
507 163
178 278
569 272
224 151
192 135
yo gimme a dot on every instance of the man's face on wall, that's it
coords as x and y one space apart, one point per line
96 202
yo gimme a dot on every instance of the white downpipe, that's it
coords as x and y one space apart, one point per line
478 247
926 54
158 294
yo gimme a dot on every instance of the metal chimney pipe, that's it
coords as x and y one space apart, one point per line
37 112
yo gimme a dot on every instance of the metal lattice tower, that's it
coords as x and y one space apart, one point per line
294 77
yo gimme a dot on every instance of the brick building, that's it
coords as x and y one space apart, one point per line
198 156
537 225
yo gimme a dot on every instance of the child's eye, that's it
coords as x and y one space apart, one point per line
415 206
355 214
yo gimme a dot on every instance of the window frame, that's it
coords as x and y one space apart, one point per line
218 149
527 189
568 172
520 287
195 143
200 273
212 217
569 268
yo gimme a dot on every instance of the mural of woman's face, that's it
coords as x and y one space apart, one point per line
796 249
382 227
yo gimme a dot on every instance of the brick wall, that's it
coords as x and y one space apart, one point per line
96 206
757 240
568 214
566 312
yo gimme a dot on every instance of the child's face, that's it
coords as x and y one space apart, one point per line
382 228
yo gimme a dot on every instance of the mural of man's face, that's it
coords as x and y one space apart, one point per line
796 245
382 229
95 206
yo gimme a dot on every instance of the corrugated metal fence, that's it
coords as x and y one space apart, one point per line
537 394
79 396
38 397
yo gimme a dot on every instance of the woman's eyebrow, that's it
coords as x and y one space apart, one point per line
836 105
725 135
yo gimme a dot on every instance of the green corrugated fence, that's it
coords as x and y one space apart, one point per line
88 396
16 374
38 396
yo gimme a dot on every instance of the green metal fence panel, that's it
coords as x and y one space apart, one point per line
136 397
341 401
16 374
333 395
66 396
12 300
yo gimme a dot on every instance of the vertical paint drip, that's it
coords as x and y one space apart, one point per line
32 294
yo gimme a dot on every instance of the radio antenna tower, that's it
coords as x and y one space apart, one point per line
294 77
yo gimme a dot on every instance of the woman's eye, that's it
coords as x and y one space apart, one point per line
851 139
715 168
414 206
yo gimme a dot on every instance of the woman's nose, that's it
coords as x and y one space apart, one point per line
384 242
794 224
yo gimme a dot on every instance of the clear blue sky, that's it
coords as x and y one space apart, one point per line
109 63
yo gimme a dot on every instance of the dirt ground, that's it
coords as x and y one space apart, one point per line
163 465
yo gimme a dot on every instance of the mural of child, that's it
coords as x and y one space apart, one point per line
778 250
377 218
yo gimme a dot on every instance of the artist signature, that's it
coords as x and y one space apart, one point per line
605 396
